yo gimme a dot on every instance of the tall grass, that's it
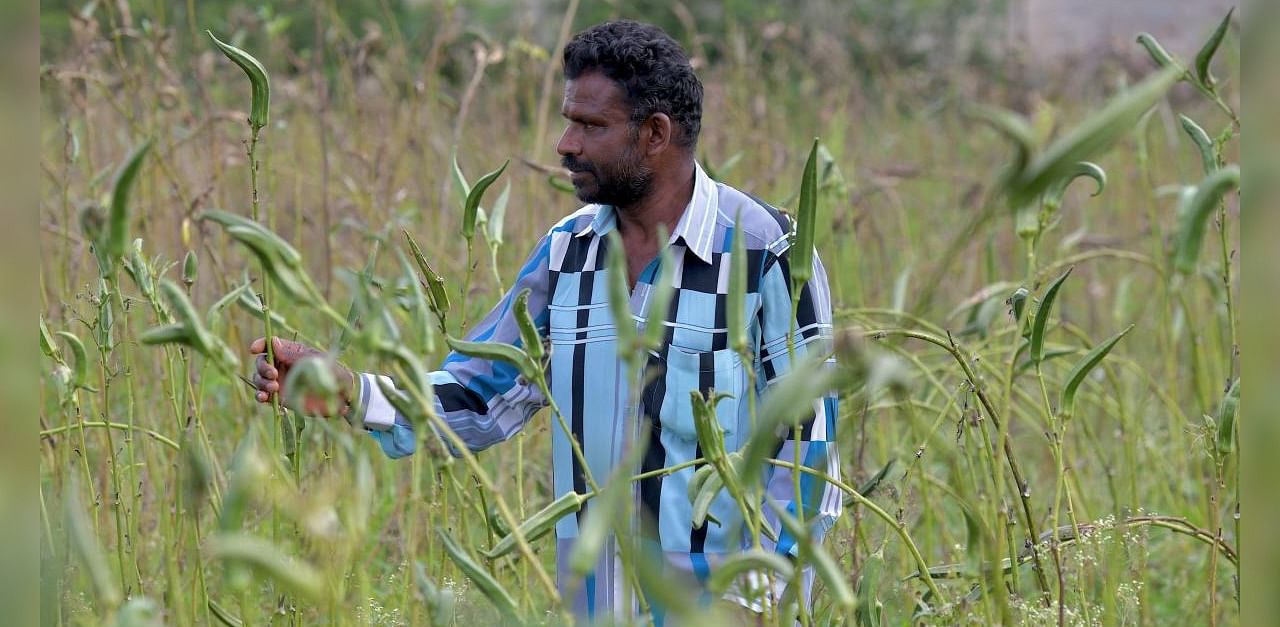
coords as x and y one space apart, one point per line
1038 399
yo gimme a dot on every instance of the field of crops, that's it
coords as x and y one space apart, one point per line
1036 311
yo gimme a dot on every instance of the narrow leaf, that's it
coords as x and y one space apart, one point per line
806 222
1066 404
1041 320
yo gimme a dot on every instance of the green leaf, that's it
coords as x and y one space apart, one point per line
1042 317
806 222
1210 47
1066 404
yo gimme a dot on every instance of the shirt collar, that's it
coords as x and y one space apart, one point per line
696 226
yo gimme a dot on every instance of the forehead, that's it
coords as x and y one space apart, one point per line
593 93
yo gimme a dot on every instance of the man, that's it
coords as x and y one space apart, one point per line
634 108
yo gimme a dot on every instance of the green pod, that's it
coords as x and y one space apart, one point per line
1041 321
825 566
735 307
1227 419
140 612
1011 125
1026 222
118 218
85 543
1205 56
540 523
246 472
182 308
224 615
560 185
485 581
1084 169
497 351
435 283
868 612
474 195
311 375
801 254
265 558
1018 303
620 296
497 215
176 333
655 330
439 603
707 493
47 345
459 181
272 244
1097 132
1067 402
1194 212
700 477
748 561
419 307
1204 145
528 329
259 82
79 360
1158 54
139 270
190 268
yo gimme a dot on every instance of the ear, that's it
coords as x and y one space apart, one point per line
659 136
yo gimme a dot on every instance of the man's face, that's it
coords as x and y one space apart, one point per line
600 145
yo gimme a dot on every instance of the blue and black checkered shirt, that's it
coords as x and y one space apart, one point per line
486 402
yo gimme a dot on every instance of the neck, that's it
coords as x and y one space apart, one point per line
665 203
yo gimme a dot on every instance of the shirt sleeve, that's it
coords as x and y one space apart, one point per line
484 402
816 448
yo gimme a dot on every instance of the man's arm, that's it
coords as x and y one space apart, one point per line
816 447
484 402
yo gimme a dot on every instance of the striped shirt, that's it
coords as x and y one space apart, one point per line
486 402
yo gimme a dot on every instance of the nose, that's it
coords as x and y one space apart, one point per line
569 143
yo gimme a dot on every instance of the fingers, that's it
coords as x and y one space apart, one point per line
266 370
258 346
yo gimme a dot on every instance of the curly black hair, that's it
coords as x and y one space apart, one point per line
650 67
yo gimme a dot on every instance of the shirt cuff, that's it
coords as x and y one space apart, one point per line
373 411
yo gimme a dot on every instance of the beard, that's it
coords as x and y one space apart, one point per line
620 183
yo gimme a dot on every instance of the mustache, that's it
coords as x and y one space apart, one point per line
574 165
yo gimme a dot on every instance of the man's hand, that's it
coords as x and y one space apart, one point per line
269 378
